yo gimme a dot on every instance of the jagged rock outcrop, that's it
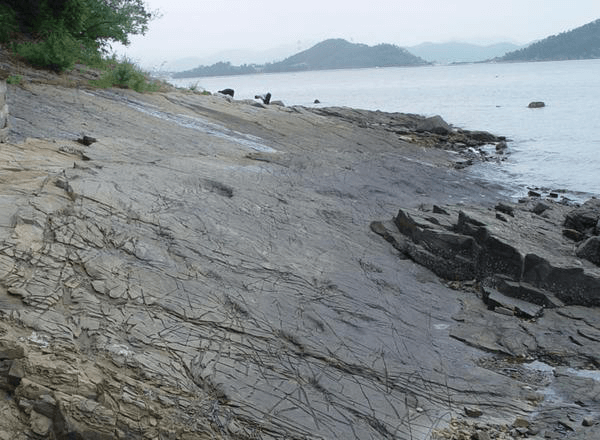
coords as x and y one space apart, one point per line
507 243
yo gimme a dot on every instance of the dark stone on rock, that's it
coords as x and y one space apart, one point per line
536 104
506 209
572 234
434 124
87 140
229 92
553 195
501 217
584 218
540 207
590 250
532 193
473 412
316 101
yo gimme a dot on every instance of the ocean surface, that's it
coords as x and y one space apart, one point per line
553 148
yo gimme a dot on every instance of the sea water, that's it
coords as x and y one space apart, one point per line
554 148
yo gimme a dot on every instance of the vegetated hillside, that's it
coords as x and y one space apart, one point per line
341 54
578 44
457 52
329 54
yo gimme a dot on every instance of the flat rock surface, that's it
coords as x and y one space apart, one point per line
206 269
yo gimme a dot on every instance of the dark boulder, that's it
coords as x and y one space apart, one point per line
536 104
585 218
229 92
590 250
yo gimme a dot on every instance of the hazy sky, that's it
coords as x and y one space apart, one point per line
197 28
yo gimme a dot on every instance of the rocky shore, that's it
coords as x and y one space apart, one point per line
181 266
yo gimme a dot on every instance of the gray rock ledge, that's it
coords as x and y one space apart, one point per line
206 269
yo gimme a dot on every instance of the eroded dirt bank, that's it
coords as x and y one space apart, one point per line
206 269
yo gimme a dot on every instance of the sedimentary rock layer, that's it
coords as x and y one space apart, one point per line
206 269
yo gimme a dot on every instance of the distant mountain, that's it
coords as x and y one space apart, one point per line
341 54
456 52
329 54
238 56
578 44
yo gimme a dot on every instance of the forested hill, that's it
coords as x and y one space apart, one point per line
329 54
578 44
340 54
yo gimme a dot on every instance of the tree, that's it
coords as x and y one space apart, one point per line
56 33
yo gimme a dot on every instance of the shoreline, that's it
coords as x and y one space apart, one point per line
494 99
207 266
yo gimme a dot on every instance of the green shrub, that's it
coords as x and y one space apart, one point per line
58 33
8 23
58 51
14 79
126 74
